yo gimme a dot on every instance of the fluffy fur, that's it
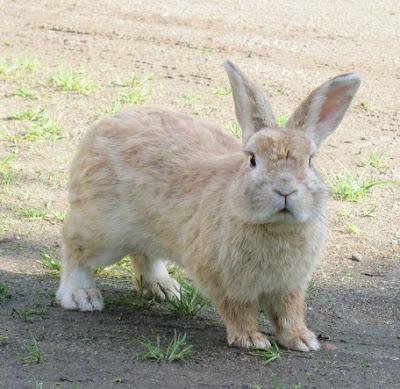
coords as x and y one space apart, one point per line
246 221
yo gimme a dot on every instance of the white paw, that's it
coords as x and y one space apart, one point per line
255 340
304 341
88 299
163 288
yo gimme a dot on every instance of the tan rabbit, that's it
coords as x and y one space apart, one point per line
247 221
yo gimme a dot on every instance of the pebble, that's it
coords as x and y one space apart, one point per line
357 257
329 347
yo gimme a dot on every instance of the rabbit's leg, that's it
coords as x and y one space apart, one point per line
286 312
241 324
77 289
154 278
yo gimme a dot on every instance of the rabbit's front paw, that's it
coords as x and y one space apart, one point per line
304 340
84 299
163 288
254 339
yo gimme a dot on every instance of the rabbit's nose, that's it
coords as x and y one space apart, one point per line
285 193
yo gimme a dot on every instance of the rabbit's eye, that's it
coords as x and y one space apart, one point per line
310 160
252 160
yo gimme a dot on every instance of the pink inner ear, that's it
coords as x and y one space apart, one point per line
333 100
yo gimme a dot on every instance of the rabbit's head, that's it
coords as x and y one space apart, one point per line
277 182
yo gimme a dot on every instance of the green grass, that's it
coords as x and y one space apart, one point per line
281 120
34 355
49 262
311 289
27 314
377 161
32 213
137 94
59 216
122 269
25 93
6 170
131 301
29 113
44 129
352 188
269 355
353 229
176 350
365 107
191 97
189 304
233 128
221 91
4 291
276 385
19 68
74 81
3 340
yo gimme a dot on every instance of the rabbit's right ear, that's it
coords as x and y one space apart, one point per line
323 110
253 110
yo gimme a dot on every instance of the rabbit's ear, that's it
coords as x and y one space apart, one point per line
253 110
324 108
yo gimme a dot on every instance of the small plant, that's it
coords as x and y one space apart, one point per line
353 229
269 355
49 262
25 93
176 350
233 128
32 213
368 211
28 114
365 107
59 215
6 170
44 129
138 94
221 91
191 97
190 302
281 120
377 161
34 354
352 188
74 81
129 300
3 340
276 385
27 314
311 289
4 291
18 68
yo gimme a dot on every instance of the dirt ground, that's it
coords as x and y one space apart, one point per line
177 49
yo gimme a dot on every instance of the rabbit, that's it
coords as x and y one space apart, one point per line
245 219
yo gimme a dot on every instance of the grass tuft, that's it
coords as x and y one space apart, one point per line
3 340
34 355
269 355
25 93
4 291
74 81
353 229
221 91
352 188
176 350
49 262
32 213
281 120
233 128
29 113
189 304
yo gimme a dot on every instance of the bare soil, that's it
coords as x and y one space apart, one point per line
289 48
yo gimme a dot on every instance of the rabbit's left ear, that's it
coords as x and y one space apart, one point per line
252 108
323 110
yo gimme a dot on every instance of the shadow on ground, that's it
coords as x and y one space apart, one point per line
92 350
